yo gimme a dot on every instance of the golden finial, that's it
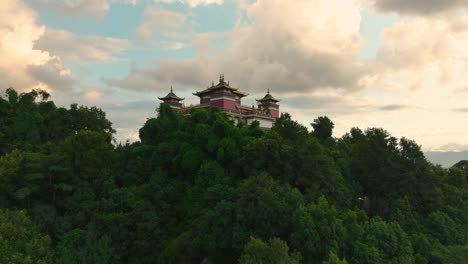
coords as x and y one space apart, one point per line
171 89
221 78
268 91
212 83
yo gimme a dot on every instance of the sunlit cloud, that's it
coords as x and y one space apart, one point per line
22 66
72 48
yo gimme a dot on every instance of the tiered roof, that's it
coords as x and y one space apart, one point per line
268 97
221 84
171 95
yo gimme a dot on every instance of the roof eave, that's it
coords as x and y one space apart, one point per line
268 99
171 97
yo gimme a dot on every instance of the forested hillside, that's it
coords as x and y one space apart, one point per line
199 189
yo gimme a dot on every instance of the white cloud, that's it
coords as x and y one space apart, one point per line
301 45
424 52
422 62
162 22
455 147
21 65
193 3
93 8
462 91
75 48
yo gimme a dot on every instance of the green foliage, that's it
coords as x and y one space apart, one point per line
21 241
391 241
78 246
323 127
317 230
29 120
463 165
275 251
334 259
199 189
442 227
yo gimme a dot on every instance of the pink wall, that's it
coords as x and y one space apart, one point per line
274 113
218 103
224 104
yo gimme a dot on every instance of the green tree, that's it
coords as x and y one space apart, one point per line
334 259
443 227
463 165
274 251
317 230
323 127
79 246
289 130
21 241
392 242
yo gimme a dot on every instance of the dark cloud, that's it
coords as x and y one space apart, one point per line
463 109
53 74
417 7
393 107
184 75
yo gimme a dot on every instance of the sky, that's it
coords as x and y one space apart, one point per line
396 64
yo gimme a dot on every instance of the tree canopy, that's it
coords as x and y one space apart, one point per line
199 188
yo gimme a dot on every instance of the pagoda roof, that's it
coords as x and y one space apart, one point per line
171 95
221 84
268 97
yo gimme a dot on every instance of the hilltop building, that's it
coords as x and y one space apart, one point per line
228 99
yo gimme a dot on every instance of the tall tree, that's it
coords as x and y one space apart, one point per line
21 242
323 127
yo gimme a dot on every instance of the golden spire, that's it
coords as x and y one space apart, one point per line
171 89
221 78
268 91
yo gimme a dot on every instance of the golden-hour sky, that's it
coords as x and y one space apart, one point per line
397 64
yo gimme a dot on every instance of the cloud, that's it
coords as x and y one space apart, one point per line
22 66
394 107
324 103
183 75
423 52
462 91
455 147
162 22
463 109
54 74
309 45
417 7
128 117
141 105
98 8
79 8
193 3
70 47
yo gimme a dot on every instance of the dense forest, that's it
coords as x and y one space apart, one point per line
201 189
